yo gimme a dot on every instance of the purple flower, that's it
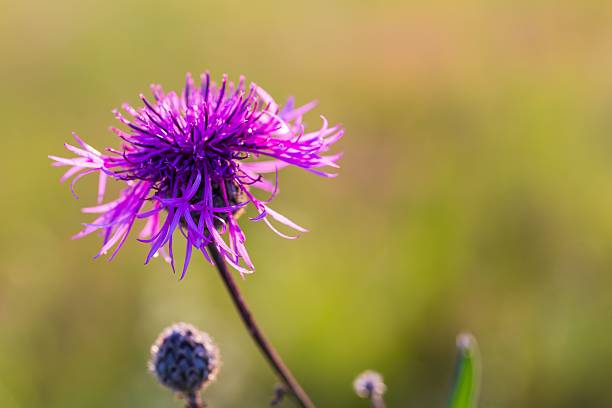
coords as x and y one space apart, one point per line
192 162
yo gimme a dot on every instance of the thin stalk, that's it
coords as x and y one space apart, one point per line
194 401
377 401
262 343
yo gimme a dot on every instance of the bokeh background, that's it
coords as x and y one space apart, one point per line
475 194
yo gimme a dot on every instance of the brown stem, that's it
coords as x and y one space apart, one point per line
194 401
265 347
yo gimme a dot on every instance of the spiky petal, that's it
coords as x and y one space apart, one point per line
190 163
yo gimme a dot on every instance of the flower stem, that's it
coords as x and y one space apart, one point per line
377 401
265 347
194 401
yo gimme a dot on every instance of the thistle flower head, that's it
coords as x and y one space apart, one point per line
191 162
184 359
369 384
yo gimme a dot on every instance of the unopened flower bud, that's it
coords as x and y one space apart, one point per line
369 384
184 359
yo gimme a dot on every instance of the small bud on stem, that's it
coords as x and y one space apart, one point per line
370 385
185 360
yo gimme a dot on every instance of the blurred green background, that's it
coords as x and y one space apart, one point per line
475 194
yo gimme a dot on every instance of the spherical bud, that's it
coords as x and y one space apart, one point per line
369 384
184 359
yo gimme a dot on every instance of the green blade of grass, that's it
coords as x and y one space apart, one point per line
467 373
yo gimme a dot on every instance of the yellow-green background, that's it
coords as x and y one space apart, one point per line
475 194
